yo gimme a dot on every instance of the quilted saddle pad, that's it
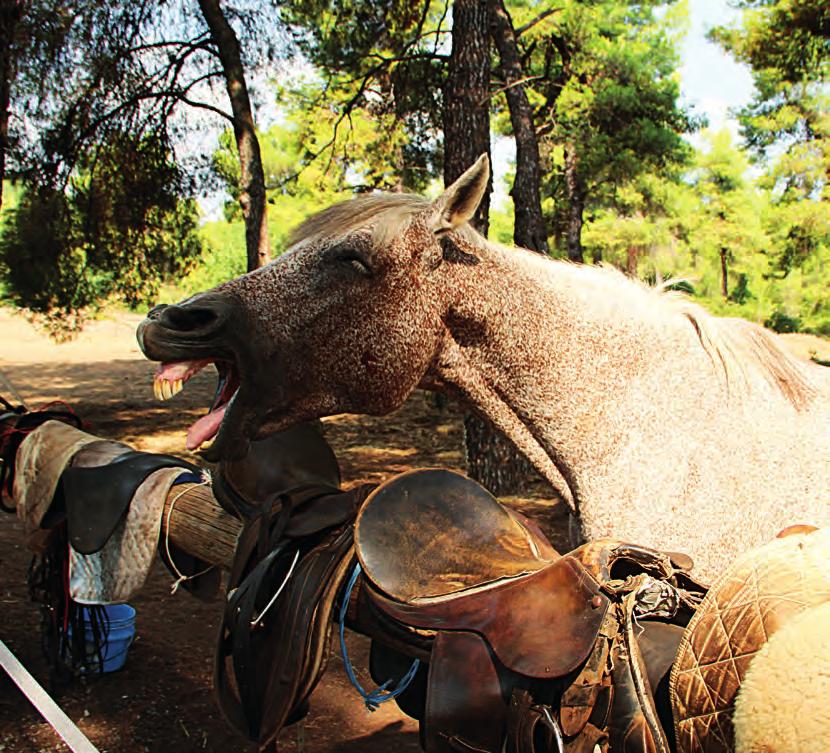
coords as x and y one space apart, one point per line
760 592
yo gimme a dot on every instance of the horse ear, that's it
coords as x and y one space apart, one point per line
459 202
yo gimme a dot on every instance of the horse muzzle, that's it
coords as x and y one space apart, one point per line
199 328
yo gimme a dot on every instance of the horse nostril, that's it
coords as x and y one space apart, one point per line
189 318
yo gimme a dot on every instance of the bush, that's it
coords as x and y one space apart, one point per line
782 322
118 230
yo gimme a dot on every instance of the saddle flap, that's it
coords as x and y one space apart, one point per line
433 533
279 652
542 625
97 498
465 709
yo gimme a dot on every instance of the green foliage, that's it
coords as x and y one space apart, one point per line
359 158
223 258
781 322
386 58
607 98
119 229
787 128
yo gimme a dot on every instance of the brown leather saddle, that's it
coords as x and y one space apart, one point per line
287 460
527 651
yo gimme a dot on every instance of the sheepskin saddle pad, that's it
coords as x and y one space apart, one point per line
760 593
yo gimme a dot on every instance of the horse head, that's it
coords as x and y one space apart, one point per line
349 319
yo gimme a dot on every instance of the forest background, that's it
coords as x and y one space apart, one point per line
108 114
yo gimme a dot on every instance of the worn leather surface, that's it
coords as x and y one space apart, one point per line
758 594
97 498
39 463
264 673
541 625
296 457
114 573
465 709
432 533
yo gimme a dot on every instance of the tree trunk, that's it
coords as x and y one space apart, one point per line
467 97
252 195
632 258
724 275
529 225
491 459
10 15
576 206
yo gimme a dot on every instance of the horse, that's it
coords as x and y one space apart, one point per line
651 419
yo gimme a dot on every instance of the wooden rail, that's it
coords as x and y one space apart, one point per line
199 526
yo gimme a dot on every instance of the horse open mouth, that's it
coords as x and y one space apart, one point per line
170 379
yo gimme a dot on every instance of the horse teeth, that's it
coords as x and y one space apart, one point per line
166 390
176 387
157 389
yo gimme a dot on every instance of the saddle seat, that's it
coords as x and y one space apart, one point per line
440 553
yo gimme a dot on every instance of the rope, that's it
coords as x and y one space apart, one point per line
379 695
180 576
255 622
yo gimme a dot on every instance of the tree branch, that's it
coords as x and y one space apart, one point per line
504 88
541 17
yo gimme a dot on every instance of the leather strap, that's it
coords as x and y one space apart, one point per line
465 710
277 661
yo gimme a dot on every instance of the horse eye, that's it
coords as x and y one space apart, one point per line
355 261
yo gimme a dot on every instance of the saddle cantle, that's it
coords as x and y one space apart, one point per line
428 534
296 457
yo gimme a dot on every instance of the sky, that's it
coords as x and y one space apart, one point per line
710 80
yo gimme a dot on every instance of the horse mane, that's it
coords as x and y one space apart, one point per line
740 345
385 212
735 345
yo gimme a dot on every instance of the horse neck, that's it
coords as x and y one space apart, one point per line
580 356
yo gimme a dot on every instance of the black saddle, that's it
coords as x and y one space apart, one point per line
93 501
299 456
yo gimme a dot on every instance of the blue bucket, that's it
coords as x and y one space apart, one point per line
119 637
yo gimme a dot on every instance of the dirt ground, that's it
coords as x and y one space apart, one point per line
162 700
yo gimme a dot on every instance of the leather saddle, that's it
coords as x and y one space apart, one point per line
291 557
439 552
93 500
287 460
528 651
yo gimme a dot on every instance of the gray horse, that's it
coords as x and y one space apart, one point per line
652 420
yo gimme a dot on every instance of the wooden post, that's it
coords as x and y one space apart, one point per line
199 526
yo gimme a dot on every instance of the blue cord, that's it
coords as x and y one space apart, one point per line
379 695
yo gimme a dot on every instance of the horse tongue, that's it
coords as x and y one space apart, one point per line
205 428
